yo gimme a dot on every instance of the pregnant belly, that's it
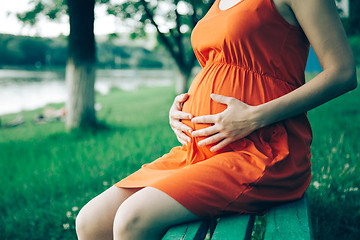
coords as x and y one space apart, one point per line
200 103
208 81
246 86
219 79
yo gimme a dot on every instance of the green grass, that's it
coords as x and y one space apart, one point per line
46 174
335 190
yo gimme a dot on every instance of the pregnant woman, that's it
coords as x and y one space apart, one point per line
243 126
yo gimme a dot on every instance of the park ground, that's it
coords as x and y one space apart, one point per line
47 175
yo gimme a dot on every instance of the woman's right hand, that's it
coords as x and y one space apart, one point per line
176 115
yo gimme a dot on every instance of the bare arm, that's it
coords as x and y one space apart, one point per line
322 26
320 21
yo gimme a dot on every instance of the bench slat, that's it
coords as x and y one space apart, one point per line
183 232
234 227
289 222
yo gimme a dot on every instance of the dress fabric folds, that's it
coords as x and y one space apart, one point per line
249 52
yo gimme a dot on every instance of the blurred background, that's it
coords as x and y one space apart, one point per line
85 90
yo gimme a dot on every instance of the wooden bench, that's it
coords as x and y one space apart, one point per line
290 221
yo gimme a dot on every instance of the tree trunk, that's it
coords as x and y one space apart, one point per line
182 79
80 80
181 82
80 69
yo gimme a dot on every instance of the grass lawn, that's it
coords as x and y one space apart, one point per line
46 174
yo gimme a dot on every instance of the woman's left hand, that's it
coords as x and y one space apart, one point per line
237 121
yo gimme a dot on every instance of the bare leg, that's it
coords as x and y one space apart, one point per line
95 219
147 214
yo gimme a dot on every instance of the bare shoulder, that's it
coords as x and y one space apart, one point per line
321 23
316 16
322 4
312 8
284 8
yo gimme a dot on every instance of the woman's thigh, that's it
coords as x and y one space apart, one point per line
97 216
148 213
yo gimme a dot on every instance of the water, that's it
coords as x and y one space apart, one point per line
30 89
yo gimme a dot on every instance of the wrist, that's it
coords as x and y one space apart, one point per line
260 119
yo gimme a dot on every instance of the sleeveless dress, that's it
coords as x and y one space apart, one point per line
249 52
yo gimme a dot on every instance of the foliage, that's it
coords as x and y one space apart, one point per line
52 52
21 50
352 24
355 45
52 9
173 20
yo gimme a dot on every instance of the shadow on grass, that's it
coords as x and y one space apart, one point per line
101 128
333 215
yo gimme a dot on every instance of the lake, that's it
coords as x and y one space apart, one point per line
31 89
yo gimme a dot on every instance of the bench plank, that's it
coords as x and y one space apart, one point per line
289 221
183 232
234 227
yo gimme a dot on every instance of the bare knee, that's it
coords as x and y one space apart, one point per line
95 219
127 222
132 223
147 214
89 225
84 224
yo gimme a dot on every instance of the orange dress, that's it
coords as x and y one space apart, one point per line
249 52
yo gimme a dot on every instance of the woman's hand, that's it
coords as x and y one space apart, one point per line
237 121
175 117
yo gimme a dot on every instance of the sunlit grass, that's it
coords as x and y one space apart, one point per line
46 174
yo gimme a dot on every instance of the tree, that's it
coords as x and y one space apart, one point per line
80 69
173 21
352 21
